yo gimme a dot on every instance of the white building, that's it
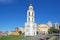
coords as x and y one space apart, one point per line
49 23
56 25
43 28
30 25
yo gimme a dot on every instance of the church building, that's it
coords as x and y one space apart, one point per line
30 25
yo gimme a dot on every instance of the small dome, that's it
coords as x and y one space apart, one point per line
30 5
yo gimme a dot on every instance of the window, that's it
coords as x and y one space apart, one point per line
29 19
32 19
32 13
29 13
27 30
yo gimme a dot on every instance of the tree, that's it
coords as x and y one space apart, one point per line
52 30
20 32
37 32
58 31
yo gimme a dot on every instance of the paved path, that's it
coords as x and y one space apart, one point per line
38 37
58 38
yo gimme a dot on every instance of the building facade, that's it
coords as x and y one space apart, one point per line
15 32
43 28
49 23
56 25
30 25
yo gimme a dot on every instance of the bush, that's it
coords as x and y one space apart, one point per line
52 30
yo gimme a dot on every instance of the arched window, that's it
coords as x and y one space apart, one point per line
32 19
29 19
29 13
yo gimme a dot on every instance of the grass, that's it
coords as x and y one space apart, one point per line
12 37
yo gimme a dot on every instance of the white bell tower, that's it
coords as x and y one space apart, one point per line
30 14
30 25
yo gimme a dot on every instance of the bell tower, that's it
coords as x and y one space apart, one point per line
30 25
30 14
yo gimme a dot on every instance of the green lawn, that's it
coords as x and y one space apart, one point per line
12 37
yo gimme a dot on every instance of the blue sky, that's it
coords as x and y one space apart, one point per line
13 13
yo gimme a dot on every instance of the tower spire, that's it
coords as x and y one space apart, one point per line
30 4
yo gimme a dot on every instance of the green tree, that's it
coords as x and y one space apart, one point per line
20 32
37 32
52 30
